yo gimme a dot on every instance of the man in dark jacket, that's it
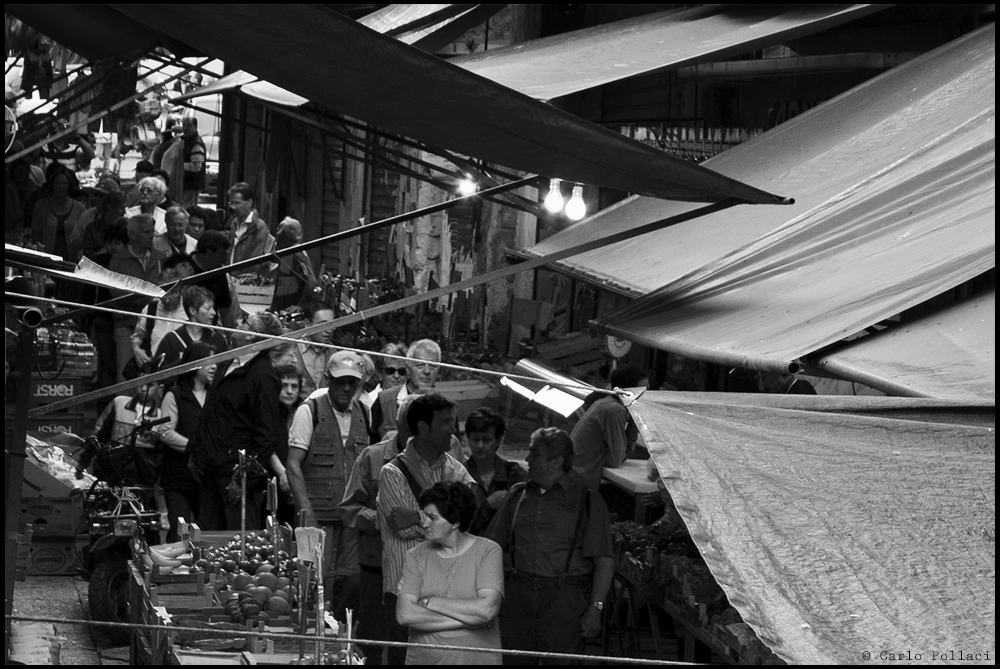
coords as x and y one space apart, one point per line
242 414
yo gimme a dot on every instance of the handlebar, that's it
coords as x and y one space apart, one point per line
146 424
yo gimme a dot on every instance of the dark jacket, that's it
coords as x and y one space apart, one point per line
174 472
255 242
194 180
241 414
505 475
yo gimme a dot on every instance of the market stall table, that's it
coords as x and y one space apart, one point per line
632 477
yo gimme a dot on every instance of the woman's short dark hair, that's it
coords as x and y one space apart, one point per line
176 260
454 501
485 419
118 232
423 409
194 297
194 211
110 201
287 371
213 240
196 351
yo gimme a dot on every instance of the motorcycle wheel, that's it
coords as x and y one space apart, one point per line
108 595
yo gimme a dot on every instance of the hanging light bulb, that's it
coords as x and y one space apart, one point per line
576 209
554 200
467 186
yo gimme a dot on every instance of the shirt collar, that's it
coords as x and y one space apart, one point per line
410 452
565 482
499 468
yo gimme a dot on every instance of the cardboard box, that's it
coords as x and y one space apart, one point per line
55 556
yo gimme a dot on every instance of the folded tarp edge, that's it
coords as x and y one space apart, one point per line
850 372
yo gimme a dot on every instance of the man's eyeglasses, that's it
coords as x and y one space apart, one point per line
394 370
146 190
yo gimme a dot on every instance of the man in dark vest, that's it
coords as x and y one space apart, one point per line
328 433
195 155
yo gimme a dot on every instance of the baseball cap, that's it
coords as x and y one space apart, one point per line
344 363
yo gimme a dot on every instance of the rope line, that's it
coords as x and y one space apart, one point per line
341 641
291 340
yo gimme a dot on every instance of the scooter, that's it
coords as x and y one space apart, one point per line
117 514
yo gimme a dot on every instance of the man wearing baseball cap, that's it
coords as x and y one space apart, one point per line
329 431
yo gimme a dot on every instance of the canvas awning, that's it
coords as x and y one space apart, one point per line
570 62
335 62
838 526
895 190
950 354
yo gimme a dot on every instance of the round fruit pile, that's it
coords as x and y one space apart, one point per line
260 597
229 559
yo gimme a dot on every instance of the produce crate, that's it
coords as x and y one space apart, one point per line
635 571
255 299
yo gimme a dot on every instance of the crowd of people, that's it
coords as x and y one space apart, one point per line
431 536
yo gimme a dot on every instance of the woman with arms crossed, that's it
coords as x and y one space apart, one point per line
452 584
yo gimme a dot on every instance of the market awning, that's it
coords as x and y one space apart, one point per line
563 64
335 62
950 354
96 32
895 203
838 526
427 27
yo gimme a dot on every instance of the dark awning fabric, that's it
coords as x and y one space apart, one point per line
563 64
95 31
895 203
950 354
446 21
839 526
335 62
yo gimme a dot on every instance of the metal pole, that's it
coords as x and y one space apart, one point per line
14 456
243 508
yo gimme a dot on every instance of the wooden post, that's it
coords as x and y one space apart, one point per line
14 456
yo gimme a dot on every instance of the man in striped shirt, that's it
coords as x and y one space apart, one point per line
424 462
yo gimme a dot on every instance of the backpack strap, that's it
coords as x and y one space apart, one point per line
408 475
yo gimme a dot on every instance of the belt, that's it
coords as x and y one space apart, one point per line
537 582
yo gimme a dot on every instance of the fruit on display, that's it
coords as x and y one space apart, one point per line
172 556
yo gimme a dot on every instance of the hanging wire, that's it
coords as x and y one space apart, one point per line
339 641
294 340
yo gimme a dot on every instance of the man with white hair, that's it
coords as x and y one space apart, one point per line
139 260
175 240
420 377
151 193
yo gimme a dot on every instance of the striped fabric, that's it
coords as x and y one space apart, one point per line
395 492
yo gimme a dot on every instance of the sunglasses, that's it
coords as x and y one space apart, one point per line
394 370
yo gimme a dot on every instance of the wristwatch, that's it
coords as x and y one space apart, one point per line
598 605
